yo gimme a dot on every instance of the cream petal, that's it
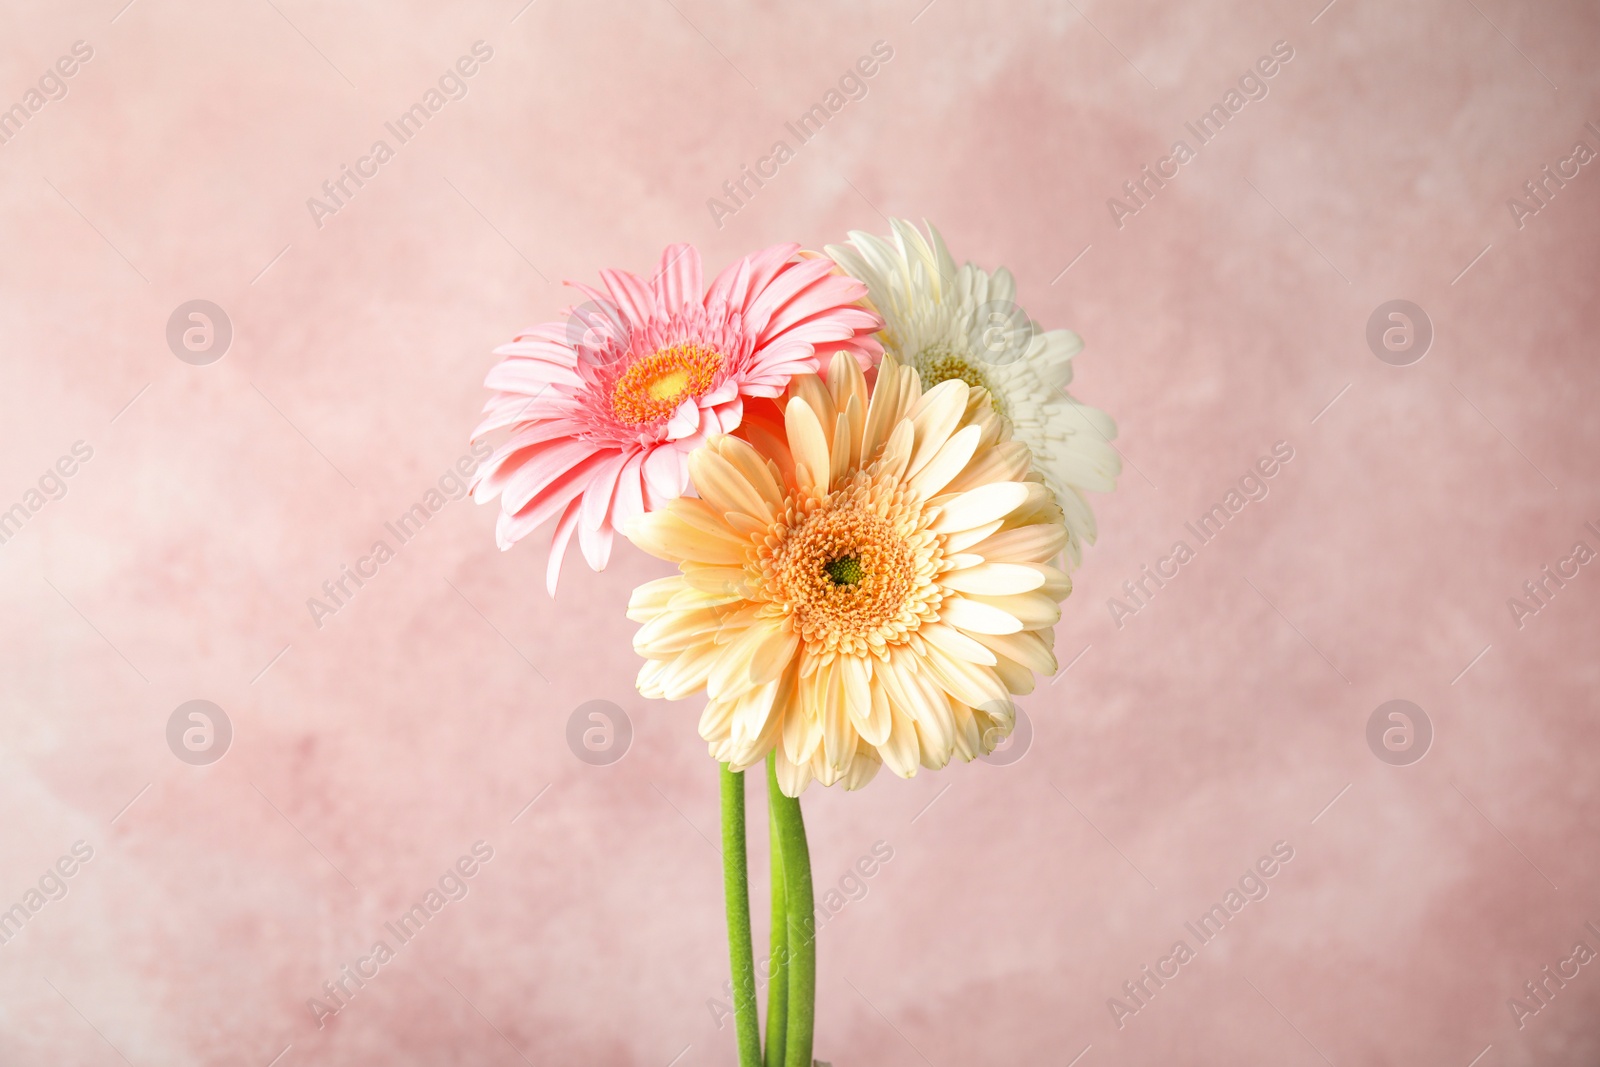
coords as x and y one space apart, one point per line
812 389
841 450
936 750
935 418
1029 648
900 750
946 463
650 599
827 773
961 541
793 776
978 616
686 674
967 683
985 504
673 631
802 726
994 579
883 410
665 535
854 415
956 643
1032 610
753 467
704 519
1017 679
755 658
862 769
1025 544
1007 461
752 711
969 738
845 380
693 599
869 717
808 444
720 583
722 486
716 720
896 454
838 740
924 701
649 680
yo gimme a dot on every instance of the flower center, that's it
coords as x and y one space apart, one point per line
940 363
654 386
846 570
854 570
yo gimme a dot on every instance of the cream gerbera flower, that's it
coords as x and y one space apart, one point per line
962 322
863 580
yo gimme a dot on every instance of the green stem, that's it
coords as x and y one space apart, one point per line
736 891
801 925
778 983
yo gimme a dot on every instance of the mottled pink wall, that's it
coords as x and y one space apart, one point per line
1226 315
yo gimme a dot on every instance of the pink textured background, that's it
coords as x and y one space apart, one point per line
427 713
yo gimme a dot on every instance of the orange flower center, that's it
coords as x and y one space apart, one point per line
854 571
654 386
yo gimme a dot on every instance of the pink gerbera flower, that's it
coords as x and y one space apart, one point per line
605 408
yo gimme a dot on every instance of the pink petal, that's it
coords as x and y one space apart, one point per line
628 500
722 393
597 497
514 527
596 545
529 376
553 351
685 420
677 279
541 465
794 278
632 294
666 472
724 418
558 545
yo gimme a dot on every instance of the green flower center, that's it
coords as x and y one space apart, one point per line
846 570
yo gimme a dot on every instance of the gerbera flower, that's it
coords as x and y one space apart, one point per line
962 322
605 407
863 580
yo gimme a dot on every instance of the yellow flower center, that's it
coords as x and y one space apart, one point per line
939 363
941 366
654 386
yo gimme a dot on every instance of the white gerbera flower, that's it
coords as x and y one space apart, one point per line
962 322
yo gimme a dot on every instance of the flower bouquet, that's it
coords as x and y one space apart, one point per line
871 478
